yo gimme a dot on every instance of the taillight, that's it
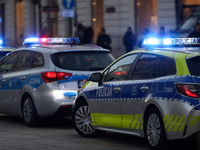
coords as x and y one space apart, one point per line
54 76
188 90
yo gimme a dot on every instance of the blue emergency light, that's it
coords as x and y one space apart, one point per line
171 41
29 41
1 42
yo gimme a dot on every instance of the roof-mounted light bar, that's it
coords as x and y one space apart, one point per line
1 42
171 41
72 41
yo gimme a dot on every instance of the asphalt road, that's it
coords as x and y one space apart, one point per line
58 134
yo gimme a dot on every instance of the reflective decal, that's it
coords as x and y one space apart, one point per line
35 81
168 89
134 90
104 92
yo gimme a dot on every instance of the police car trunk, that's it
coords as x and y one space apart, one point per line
73 67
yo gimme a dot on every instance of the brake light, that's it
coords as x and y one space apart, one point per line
54 76
188 90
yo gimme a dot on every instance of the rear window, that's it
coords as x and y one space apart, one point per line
82 61
2 54
193 64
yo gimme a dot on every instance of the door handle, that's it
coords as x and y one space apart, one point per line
117 89
3 81
144 88
22 78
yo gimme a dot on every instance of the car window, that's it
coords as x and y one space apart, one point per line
24 61
192 64
7 63
143 67
154 71
38 60
120 69
82 60
2 54
167 67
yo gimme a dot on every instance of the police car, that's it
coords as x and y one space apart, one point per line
42 78
153 92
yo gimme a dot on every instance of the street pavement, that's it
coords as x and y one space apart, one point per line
59 134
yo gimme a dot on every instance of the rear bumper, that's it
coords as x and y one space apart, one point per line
64 111
193 122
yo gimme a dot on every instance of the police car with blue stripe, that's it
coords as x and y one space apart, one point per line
153 92
42 78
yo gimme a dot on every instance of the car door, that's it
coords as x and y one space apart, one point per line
135 90
107 96
5 69
20 74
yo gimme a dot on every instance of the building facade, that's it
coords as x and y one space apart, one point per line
33 18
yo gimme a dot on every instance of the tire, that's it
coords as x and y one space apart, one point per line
154 130
30 115
82 121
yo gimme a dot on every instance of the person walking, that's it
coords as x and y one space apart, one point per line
129 40
196 32
88 33
104 40
80 33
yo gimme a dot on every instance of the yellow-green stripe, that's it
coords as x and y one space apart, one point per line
138 125
172 124
134 121
126 121
178 123
194 121
169 121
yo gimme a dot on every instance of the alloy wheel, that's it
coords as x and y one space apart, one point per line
83 120
153 129
28 109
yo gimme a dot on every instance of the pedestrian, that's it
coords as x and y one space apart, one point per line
80 33
104 40
129 40
143 36
88 35
161 33
196 32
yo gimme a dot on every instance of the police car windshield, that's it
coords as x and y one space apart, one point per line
192 65
82 60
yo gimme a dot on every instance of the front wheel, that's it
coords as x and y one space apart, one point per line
29 112
154 130
82 121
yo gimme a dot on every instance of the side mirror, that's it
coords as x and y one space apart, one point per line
96 77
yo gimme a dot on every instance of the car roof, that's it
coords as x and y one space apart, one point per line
59 48
4 48
190 51
186 50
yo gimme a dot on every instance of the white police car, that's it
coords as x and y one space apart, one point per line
152 92
42 78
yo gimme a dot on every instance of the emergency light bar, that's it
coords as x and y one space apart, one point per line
1 42
28 41
171 41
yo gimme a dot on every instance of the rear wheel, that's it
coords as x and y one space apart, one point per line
29 112
154 130
82 121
